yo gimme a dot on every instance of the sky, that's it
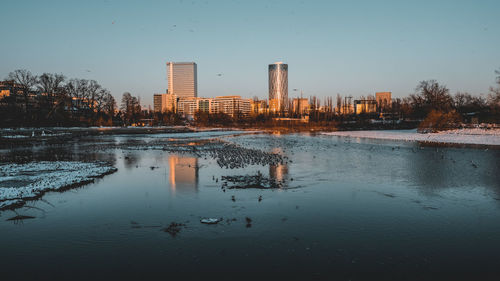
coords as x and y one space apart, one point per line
348 47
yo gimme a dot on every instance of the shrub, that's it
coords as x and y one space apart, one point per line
438 121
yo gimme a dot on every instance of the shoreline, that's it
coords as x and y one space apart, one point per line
469 138
463 138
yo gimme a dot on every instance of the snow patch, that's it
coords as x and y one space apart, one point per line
458 136
24 181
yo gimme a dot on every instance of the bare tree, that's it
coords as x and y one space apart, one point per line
26 80
339 104
50 84
54 93
494 99
77 90
130 106
109 104
434 95
93 90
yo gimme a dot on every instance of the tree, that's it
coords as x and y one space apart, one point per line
438 121
435 96
109 104
54 92
49 83
26 80
339 104
494 96
430 95
494 100
77 91
93 91
130 107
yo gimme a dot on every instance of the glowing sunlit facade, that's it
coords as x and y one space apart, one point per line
164 102
182 79
278 84
384 100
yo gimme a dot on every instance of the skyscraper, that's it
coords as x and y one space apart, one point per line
278 86
182 79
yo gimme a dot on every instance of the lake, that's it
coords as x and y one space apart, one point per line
337 208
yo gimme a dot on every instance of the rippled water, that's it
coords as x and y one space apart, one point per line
349 209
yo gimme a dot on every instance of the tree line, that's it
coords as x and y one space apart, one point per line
51 99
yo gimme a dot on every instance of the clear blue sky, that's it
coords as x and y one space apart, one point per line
346 47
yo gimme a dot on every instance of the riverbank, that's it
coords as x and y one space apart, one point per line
10 138
461 137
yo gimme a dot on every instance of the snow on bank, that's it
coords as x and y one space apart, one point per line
458 136
19 182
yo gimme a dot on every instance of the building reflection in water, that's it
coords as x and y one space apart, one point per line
183 173
280 171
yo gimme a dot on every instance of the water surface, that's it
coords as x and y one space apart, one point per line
348 210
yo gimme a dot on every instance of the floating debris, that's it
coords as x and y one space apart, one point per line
174 228
210 220
20 218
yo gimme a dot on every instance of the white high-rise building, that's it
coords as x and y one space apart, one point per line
278 85
182 79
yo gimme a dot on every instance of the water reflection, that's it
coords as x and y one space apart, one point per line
183 173
278 172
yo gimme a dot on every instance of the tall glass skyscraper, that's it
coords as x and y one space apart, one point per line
278 86
182 79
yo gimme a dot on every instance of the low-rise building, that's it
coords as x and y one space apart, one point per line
258 107
187 105
232 105
164 102
365 106
384 100
301 105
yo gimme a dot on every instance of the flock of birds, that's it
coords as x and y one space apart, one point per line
231 156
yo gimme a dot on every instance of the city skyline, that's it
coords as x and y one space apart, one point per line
335 47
